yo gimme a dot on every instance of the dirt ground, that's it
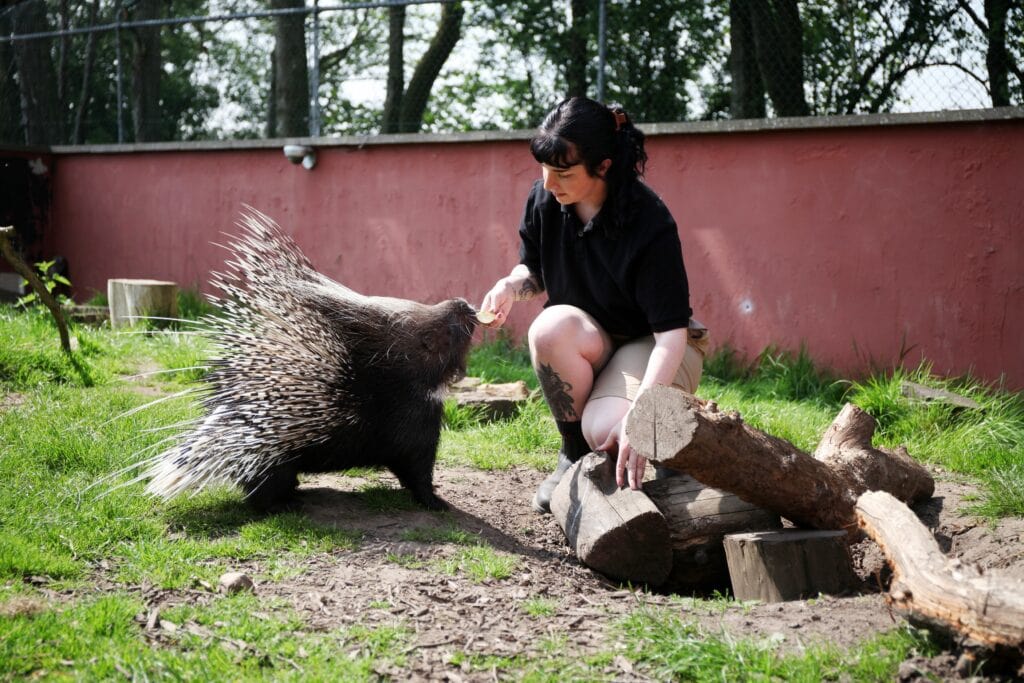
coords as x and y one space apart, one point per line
452 613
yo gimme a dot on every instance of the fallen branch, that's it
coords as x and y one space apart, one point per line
929 587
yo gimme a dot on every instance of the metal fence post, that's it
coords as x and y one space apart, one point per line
602 43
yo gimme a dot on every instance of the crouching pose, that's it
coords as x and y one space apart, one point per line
605 249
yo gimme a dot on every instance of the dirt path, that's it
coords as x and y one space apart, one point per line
389 580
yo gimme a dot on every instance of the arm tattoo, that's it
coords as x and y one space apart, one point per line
527 290
556 392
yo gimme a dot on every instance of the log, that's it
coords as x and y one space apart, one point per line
792 564
699 518
493 401
618 532
930 588
132 301
675 429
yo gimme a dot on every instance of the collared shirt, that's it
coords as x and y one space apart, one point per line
629 277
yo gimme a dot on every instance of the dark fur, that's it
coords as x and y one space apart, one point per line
397 400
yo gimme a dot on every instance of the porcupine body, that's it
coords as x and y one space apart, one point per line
311 376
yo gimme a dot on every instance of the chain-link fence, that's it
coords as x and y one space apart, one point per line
100 71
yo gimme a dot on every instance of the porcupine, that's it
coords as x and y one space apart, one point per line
314 377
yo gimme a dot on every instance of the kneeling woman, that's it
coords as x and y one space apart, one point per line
606 250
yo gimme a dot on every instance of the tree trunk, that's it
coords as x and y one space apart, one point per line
988 608
778 41
414 102
675 429
746 99
37 78
147 68
85 94
396 70
11 131
997 59
576 44
291 75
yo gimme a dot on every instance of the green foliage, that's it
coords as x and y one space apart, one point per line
50 280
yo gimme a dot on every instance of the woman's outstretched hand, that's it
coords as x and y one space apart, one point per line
497 303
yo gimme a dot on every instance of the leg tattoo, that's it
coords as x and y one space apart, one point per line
556 391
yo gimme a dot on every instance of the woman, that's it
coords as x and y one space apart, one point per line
606 250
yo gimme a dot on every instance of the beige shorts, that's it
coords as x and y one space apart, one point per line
622 375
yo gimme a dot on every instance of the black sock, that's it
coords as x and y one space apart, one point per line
573 444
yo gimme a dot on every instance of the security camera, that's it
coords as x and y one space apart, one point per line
301 154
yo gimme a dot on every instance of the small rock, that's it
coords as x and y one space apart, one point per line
234 582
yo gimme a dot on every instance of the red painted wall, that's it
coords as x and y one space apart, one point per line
859 242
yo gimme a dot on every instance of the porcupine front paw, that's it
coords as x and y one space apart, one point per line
430 500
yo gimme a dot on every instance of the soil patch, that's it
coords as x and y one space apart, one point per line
395 579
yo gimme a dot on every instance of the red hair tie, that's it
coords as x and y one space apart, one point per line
620 119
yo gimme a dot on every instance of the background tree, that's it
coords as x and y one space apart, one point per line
37 76
291 74
767 56
999 61
403 111
147 68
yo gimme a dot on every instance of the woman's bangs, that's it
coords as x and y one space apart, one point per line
554 151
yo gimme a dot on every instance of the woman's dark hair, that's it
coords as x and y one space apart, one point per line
582 131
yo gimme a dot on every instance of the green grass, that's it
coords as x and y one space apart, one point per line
70 425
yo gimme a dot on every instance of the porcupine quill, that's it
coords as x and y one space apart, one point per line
310 376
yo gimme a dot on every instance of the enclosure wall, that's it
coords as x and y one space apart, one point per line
864 243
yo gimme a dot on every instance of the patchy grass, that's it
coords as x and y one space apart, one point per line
69 515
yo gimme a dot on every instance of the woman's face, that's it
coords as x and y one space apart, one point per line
573 185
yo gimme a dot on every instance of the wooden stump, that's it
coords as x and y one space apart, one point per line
618 532
791 564
698 518
132 301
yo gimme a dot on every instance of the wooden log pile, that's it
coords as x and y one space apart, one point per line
846 485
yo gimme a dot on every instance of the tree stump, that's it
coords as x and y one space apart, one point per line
675 429
928 587
698 518
132 301
618 532
792 564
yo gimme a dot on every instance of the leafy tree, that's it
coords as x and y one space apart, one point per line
404 107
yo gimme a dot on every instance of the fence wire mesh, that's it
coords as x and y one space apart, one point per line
101 71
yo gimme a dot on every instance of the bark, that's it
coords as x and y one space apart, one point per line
147 69
576 42
396 69
414 102
675 429
11 130
617 531
85 94
37 77
746 99
987 608
997 58
291 74
778 42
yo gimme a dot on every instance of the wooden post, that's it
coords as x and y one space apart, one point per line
132 301
791 564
